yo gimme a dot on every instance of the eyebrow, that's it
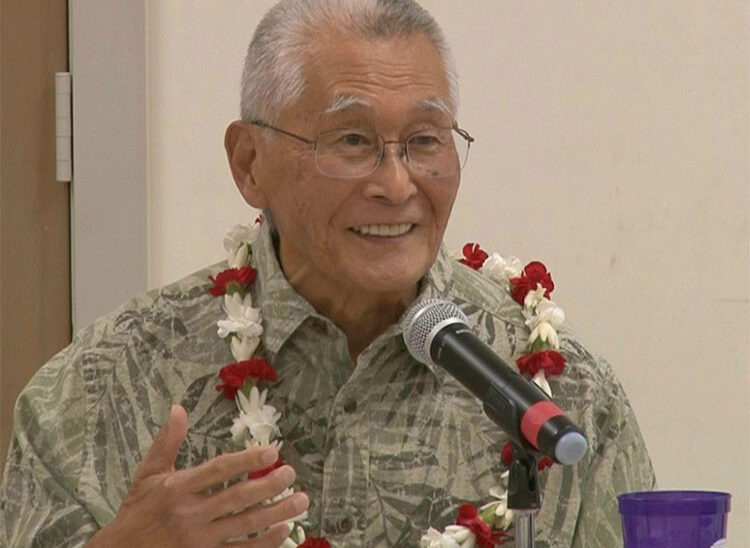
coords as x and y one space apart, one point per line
342 102
436 103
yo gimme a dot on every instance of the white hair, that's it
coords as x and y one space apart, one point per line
273 77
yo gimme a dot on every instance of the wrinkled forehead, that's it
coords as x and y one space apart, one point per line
352 74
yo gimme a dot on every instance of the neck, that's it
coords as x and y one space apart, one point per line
362 315
363 319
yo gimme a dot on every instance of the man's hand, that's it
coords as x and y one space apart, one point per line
173 508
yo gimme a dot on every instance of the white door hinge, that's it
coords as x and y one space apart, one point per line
63 126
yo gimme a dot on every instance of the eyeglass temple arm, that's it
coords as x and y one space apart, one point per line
261 123
463 133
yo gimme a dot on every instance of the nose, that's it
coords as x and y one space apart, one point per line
391 181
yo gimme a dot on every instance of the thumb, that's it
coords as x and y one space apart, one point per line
163 451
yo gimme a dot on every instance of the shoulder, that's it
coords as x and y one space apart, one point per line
493 315
478 290
162 326
588 380
174 307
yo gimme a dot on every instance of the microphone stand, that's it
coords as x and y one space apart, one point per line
523 495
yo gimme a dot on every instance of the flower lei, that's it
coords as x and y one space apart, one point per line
256 423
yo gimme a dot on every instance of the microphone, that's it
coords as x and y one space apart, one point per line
436 332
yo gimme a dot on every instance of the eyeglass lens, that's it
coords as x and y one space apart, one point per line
346 153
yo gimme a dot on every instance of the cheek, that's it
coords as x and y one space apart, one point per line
285 190
292 212
441 198
302 212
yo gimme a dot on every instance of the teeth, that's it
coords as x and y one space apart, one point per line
383 230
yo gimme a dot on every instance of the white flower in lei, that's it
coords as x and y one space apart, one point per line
256 418
242 319
540 379
499 506
546 311
257 422
243 348
237 243
435 539
501 269
543 317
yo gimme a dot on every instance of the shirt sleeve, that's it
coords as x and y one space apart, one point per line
619 464
39 506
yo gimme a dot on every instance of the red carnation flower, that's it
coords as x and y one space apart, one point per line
507 453
468 516
243 276
474 256
234 375
260 369
551 361
534 273
507 456
233 380
260 473
544 462
315 542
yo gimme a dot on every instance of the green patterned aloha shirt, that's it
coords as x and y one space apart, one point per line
384 446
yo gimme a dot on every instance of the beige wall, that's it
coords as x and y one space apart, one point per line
612 143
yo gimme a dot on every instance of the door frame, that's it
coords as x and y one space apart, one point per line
109 198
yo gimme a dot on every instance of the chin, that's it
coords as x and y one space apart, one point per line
392 280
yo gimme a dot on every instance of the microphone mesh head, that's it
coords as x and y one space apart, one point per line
421 319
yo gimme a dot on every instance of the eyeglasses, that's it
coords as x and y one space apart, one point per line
351 153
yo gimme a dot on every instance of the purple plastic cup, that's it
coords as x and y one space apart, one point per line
674 519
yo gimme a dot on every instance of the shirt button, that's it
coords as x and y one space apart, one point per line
350 405
345 525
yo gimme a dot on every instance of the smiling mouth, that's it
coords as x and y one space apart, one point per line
383 230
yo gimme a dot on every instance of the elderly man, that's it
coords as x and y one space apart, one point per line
349 143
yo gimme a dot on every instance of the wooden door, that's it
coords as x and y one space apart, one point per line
34 208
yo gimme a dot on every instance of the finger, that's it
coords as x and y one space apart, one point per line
161 455
273 538
224 468
261 517
247 493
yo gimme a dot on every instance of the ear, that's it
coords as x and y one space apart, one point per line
240 145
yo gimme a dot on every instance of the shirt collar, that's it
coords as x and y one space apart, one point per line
436 284
282 309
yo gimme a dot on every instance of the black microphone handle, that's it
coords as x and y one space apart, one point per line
505 394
